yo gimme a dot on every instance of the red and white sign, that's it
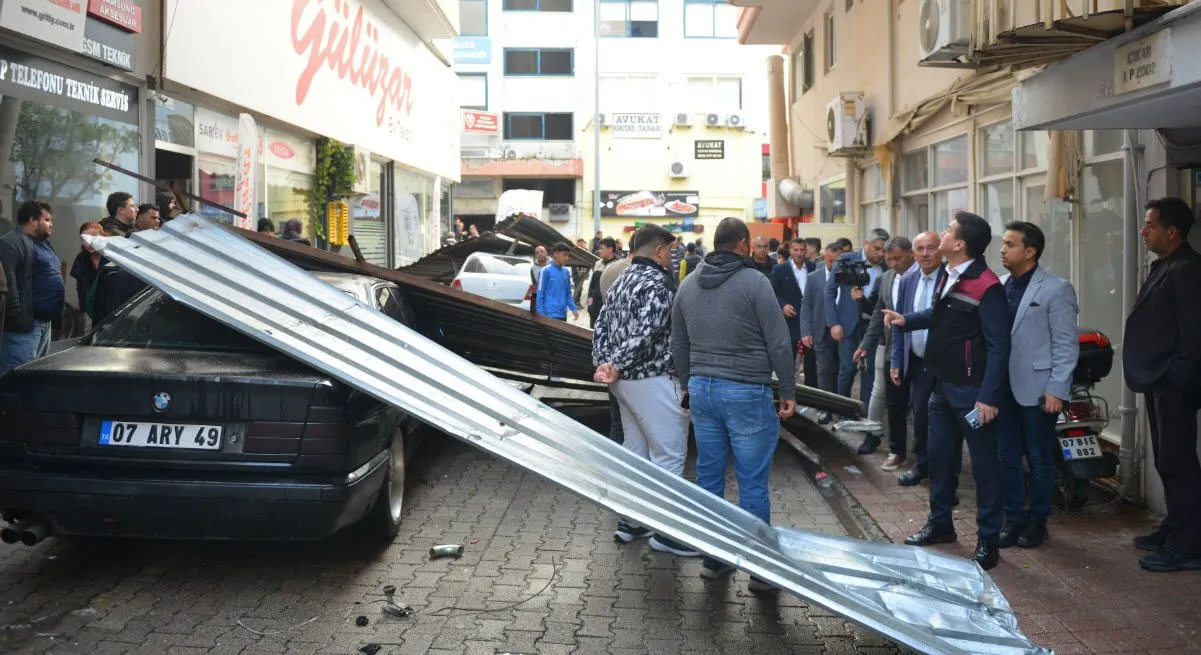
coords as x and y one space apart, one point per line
350 70
248 164
282 150
481 122
125 14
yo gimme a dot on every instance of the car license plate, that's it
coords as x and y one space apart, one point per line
160 435
1080 447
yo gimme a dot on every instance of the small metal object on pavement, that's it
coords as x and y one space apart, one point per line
447 550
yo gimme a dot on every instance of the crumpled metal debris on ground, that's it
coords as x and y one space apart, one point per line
932 602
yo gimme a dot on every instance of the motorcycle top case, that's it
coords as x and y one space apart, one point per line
1096 357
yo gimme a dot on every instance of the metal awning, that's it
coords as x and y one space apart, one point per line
518 235
1142 79
920 598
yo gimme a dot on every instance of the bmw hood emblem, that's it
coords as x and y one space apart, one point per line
162 401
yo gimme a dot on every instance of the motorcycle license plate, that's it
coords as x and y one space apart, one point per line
1080 447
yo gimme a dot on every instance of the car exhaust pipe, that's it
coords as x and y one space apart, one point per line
34 533
11 533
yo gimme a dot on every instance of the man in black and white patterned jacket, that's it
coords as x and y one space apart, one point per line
631 348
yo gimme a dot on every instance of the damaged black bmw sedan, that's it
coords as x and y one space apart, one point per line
162 423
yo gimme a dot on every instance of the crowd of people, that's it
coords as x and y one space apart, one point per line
930 333
31 272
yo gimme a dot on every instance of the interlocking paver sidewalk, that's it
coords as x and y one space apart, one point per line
1081 592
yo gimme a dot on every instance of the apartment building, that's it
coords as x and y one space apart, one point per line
899 113
682 112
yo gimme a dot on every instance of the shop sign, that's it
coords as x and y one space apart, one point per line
670 204
59 22
473 50
1143 63
759 208
715 149
637 126
248 166
105 43
481 122
125 14
350 70
216 133
33 78
289 152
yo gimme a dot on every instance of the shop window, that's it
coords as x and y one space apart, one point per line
473 17
915 171
473 90
289 178
555 190
1102 142
832 202
50 153
629 18
173 122
539 61
950 161
416 225
874 203
715 94
828 36
1034 149
996 149
367 217
633 92
710 19
1100 282
538 5
996 204
538 126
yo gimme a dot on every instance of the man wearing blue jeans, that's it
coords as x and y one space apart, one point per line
727 338
35 286
1043 353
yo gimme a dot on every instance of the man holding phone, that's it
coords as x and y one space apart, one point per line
967 355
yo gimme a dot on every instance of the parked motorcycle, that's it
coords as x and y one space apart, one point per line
1083 455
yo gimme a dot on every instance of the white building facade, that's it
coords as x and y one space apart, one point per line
682 111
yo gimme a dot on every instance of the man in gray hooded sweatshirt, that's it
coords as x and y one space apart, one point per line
727 338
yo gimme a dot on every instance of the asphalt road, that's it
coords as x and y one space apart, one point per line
541 574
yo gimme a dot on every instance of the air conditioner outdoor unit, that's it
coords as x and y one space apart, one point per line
713 120
944 31
678 169
683 119
510 154
560 212
846 123
736 121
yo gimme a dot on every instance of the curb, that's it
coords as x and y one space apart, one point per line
854 518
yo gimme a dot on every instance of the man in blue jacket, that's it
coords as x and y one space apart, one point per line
848 310
967 354
554 287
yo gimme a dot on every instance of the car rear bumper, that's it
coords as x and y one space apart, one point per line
188 506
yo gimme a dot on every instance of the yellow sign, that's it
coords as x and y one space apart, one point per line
337 216
1143 63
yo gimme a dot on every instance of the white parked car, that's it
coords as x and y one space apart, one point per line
505 278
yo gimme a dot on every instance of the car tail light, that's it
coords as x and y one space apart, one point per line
456 283
40 427
529 293
325 432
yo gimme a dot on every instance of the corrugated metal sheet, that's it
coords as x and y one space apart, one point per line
516 234
490 333
921 598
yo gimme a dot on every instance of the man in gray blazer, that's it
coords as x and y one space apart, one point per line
1042 311
898 255
815 332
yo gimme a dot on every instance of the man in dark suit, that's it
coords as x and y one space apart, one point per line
1161 359
788 280
898 254
909 350
815 331
968 355
848 309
